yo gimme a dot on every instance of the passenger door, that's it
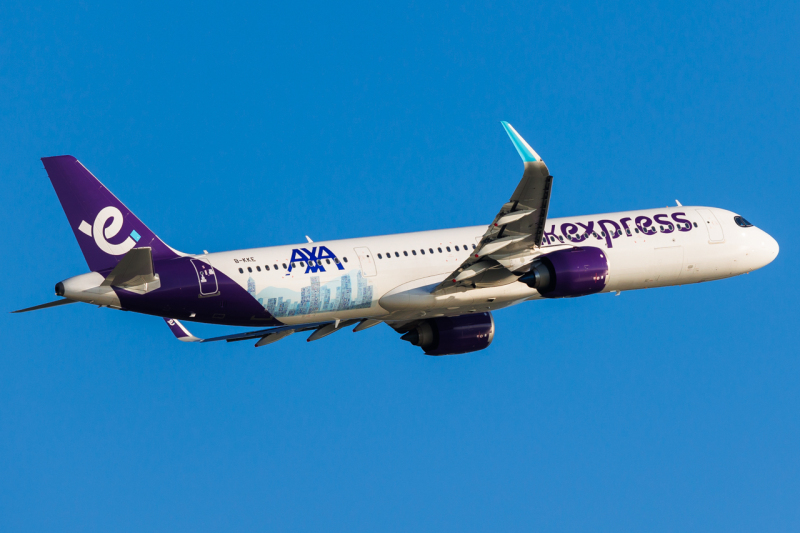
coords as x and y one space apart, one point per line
712 225
206 277
367 261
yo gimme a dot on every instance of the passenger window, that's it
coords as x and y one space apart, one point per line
422 251
293 265
250 270
389 255
258 268
413 252
266 267
336 260
396 254
380 256
465 248
284 266
456 247
405 253
695 224
473 246
241 271
440 250
430 250
276 266
448 248
302 264
345 259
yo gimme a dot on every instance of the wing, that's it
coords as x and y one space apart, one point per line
512 239
268 336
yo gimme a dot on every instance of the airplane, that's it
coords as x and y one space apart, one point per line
436 288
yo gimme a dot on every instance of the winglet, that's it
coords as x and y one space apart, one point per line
180 332
525 151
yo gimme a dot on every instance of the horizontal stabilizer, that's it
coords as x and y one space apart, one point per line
136 263
134 272
45 306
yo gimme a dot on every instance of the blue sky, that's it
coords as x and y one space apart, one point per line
224 126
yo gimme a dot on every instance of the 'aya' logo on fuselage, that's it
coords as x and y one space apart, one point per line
314 259
101 233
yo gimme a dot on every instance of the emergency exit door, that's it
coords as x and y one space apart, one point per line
712 225
367 261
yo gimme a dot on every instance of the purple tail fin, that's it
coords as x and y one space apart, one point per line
104 227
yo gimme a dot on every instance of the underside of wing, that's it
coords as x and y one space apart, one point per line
270 335
513 238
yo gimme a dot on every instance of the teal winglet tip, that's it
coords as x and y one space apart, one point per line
523 148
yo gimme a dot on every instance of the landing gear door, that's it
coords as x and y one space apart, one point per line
367 261
206 277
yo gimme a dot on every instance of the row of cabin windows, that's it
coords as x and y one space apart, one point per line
285 267
615 233
422 251
380 256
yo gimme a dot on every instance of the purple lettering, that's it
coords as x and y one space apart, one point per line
662 219
588 229
680 222
624 223
644 224
608 233
569 230
550 234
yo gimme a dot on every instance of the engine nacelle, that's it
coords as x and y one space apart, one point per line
453 335
567 273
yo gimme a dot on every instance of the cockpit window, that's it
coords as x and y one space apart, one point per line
740 221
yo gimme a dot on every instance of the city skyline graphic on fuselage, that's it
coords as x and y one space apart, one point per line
348 291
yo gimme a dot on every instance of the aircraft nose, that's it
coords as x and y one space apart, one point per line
769 249
772 248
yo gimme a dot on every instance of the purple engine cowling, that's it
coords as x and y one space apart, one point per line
567 273
453 335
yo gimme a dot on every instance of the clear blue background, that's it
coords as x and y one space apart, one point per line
227 126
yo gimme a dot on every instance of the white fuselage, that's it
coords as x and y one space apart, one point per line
391 277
